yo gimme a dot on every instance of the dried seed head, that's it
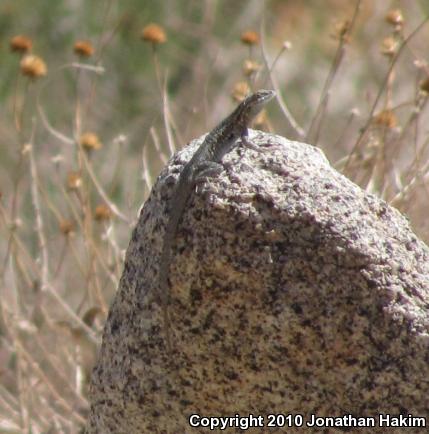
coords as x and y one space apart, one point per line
250 37
33 66
74 180
240 91
424 85
341 31
250 67
395 17
154 33
287 45
66 227
389 46
90 141
26 148
21 44
102 213
386 118
83 48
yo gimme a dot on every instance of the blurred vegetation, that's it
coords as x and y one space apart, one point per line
85 130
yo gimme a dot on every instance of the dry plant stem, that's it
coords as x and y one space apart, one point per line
286 112
24 416
16 113
101 260
155 139
116 171
77 217
113 208
9 403
38 213
367 125
340 139
339 55
76 257
145 168
60 136
61 258
101 46
378 169
56 394
51 206
110 238
418 155
411 123
157 68
321 115
90 271
167 118
77 116
100 257
318 117
402 195
97 286
18 124
29 282
59 370
17 243
69 311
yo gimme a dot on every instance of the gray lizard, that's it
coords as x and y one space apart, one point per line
205 162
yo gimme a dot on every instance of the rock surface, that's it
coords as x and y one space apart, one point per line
293 292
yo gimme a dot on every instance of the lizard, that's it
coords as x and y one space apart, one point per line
205 162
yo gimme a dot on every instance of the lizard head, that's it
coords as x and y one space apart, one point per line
254 103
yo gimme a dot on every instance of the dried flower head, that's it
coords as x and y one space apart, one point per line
424 85
154 33
21 44
33 66
395 17
250 37
251 67
341 31
90 141
66 227
240 91
74 180
83 48
102 213
389 46
287 45
386 118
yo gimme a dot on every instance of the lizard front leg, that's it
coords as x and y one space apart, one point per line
246 142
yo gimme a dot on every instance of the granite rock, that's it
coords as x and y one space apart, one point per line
292 292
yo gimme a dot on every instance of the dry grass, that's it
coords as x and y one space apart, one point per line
71 182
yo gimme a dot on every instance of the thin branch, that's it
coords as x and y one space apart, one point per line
101 191
286 112
339 55
382 88
38 211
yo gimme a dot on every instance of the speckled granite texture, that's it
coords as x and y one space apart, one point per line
293 292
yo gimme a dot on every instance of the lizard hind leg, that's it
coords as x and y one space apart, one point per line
208 169
205 171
